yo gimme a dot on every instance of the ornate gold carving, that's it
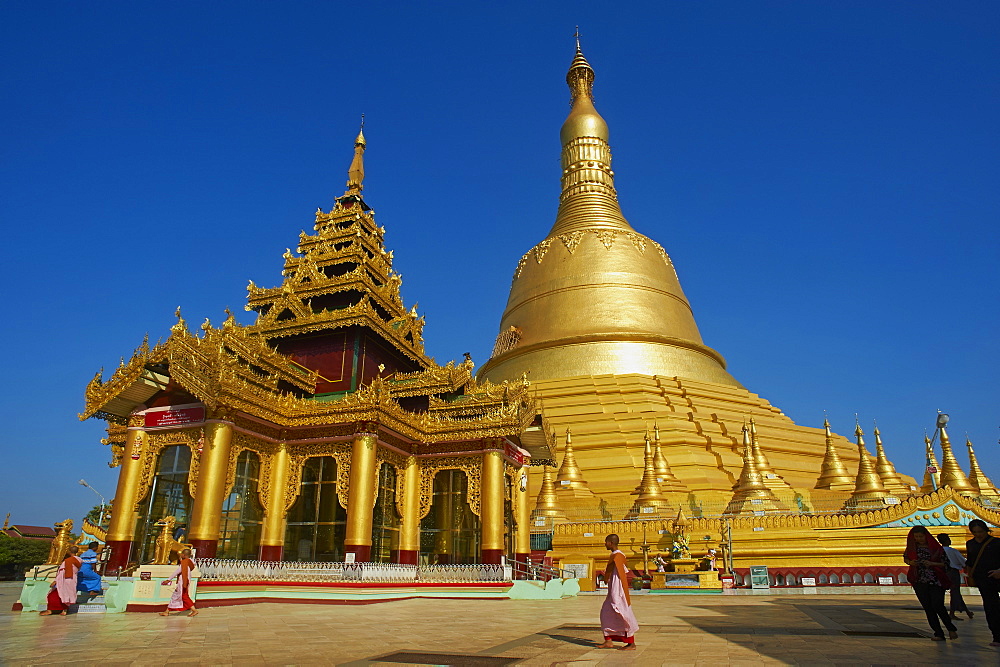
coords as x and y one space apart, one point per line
540 250
571 240
61 542
341 453
606 237
472 466
153 444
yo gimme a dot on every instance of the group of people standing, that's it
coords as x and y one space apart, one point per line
77 574
936 567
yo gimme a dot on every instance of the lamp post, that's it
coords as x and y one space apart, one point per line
104 503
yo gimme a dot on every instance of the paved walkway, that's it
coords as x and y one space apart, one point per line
675 630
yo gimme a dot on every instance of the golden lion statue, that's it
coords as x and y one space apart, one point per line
61 543
167 548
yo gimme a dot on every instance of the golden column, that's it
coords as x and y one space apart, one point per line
409 534
272 539
361 495
206 515
522 549
121 530
491 508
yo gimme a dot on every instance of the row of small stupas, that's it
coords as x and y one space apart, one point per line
660 493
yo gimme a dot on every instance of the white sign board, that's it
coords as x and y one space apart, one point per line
808 581
349 557
576 570
885 581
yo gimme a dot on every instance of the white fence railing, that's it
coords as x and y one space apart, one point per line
383 573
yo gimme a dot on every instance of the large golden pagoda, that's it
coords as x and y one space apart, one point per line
599 323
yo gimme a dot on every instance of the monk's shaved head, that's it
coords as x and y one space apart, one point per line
612 538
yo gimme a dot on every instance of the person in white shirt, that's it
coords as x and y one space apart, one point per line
956 561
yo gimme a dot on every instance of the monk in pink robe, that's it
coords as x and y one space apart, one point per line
63 591
617 619
181 599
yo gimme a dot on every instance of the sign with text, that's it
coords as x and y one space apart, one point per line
174 417
759 577
513 454
808 581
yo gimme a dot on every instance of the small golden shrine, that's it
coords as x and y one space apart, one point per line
322 432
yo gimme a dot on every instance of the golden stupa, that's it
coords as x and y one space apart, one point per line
597 319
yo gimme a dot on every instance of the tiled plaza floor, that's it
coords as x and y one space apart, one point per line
675 630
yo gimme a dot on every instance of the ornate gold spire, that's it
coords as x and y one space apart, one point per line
951 472
650 500
891 479
547 504
977 478
664 475
570 478
834 475
750 494
771 479
869 492
356 172
625 309
932 480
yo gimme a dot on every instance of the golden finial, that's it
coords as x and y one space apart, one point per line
977 478
951 472
833 475
664 475
932 471
576 36
649 500
869 491
750 494
569 476
356 172
547 505
892 480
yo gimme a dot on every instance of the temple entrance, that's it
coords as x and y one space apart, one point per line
316 522
450 532
385 516
168 496
242 513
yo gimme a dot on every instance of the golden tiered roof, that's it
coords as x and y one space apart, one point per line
341 276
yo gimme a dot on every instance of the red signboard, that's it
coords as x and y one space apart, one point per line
175 417
513 454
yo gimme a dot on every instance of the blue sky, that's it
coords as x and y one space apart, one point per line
824 175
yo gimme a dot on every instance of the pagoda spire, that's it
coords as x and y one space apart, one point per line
951 471
869 491
891 479
569 476
547 504
588 198
650 500
750 494
664 475
771 479
834 475
977 478
356 172
932 480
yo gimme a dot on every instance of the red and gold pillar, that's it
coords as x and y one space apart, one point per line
272 539
361 495
121 531
491 506
409 531
206 516
522 513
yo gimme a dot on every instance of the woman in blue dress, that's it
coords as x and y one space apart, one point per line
88 580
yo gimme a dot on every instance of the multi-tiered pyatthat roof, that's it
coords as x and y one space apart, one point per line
595 296
333 343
